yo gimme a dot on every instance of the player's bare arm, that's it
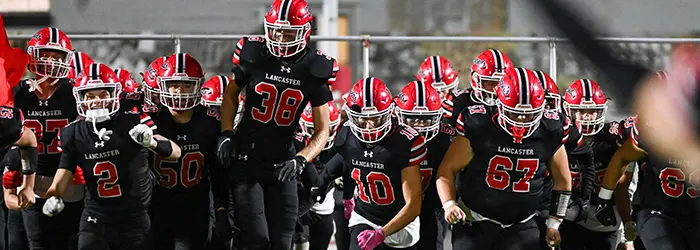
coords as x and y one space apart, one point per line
321 116
174 154
458 156
561 193
229 105
412 189
622 198
627 153
60 183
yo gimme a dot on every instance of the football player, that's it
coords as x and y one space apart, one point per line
383 159
419 106
586 102
281 75
129 85
111 146
504 155
213 91
318 217
183 185
48 105
666 213
487 70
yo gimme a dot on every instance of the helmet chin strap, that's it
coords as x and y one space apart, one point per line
35 84
97 116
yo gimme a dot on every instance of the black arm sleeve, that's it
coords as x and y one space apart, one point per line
69 156
331 171
564 20
348 184
321 95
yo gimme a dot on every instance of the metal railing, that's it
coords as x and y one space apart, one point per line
366 41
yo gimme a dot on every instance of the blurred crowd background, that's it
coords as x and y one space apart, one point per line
395 62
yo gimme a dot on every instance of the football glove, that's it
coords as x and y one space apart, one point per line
225 148
580 208
370 238
349 206
605 212
53 206
143 135
290 169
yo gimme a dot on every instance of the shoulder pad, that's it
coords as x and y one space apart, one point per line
553 121
249 50
472 118
322 65
343 133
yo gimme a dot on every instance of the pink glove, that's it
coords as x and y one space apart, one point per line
369 239
349 206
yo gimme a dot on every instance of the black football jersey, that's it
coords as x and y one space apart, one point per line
456 102
277 92
664 185
117 179
185 181
46 118
11 120
376 169
437 148
504 180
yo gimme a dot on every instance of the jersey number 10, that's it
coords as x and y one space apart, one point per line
284 111
374 181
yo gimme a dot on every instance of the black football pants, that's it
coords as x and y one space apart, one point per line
124 233
342 231
428 228
265 209
488 235
661 232
317 229
180 228
577 237
57 232
16 235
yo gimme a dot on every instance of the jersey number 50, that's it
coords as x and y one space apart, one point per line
284 110
497 176
169 176
374 180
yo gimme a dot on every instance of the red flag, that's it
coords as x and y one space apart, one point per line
15 63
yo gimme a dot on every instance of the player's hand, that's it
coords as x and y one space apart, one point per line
369 239
581 205
290 169
26 198
454 214
553 238
630 231
11 179
53 206
348 207
222 226
605 212
339 182
143 135
225 148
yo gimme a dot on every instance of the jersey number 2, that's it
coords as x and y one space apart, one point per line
497 176
52 125
107 186
168 176
374 180
284 111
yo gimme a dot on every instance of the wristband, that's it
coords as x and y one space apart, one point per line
553 223
605 194
29 159
227 133
559 203
163 148
449 204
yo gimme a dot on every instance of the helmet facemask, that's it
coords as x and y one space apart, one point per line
481 93
368 124
552 102
285 40
98 101
180 92
521 121
590 116
426 122
50 61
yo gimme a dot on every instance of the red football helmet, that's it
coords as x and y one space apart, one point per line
151 90
213 90
487 70
551 92
420 107
307 122
51 53
438 72
180 73
287 27
369 108
127 81
97 106
520 103
586 101
80 63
